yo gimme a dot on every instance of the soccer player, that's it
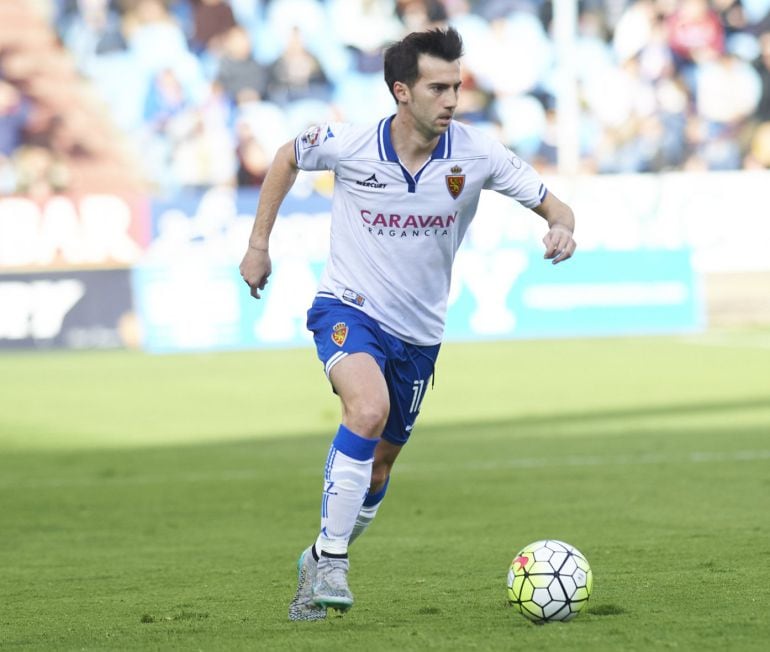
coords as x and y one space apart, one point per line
405 191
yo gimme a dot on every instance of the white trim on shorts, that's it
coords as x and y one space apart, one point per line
333 361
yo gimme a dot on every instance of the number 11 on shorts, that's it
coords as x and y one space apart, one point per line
418 390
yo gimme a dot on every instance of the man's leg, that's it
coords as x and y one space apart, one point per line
363 392
349 346
407 375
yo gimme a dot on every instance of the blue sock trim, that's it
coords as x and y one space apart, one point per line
373 499
353 445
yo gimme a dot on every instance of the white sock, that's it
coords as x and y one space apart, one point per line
346 482
363 520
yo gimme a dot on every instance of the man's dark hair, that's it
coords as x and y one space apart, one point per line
401 57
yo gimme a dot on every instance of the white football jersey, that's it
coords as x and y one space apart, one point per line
394 235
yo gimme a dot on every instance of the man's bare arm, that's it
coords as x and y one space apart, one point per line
256 266
559 243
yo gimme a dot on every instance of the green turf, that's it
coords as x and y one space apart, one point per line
159 503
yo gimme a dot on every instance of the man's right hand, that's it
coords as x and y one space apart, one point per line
255 269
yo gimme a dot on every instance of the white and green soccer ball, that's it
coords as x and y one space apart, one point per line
549 580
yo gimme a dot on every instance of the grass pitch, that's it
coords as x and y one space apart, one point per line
159 503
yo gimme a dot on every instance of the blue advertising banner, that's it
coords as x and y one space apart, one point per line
208 307
596 293
509 293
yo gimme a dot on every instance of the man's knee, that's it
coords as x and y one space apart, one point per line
367 418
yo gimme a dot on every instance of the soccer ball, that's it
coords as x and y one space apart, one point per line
549 580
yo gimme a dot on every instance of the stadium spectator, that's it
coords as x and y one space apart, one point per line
266 119
727 93
212 19
634 30
253 159
240 75
518 37
93 30
202 145
695 32
475 104
297 74
165 99
417 15
728 90
156 41
731 16
364 28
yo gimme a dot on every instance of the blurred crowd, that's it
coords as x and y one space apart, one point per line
206 90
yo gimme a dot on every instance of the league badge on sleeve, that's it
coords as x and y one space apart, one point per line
311 138
455 182
339 333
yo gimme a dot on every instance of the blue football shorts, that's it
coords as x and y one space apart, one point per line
339 330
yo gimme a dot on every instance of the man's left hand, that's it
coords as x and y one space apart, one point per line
559 244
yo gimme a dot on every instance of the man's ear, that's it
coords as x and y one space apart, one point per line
401 91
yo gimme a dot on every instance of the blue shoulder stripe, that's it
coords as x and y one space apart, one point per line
388 150
381 138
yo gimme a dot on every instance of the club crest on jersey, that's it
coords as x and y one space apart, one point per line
455 182
339 333
311 138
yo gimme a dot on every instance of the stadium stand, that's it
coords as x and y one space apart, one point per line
55 133
173 94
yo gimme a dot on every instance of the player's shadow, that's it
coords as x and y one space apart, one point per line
638 414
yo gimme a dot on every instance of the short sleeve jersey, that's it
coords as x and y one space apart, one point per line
394 234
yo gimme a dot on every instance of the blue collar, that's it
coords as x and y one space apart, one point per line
443 147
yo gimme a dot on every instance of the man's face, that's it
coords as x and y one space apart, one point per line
432 99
